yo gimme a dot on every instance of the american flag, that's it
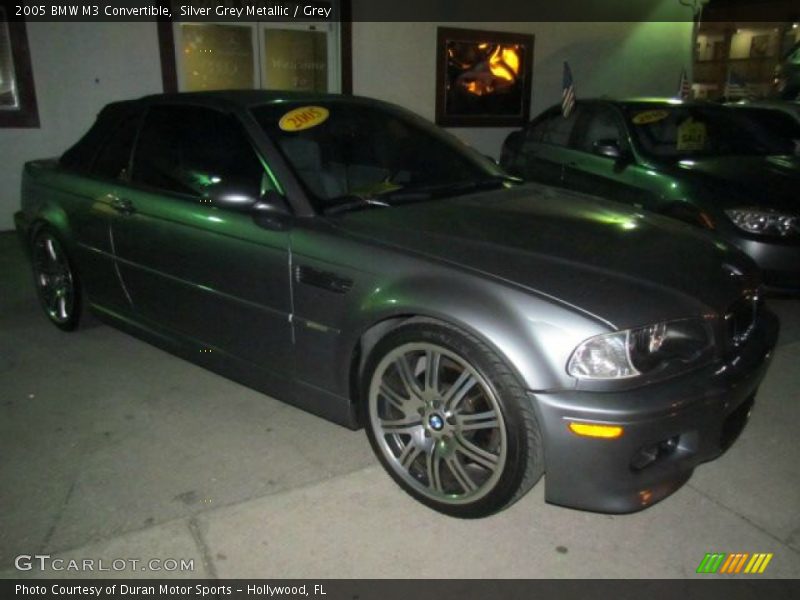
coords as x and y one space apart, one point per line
684 87
567 92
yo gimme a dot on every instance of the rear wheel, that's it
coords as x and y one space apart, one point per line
56 281
450 422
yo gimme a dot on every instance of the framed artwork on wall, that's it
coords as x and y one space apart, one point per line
759 46
483 78
18 106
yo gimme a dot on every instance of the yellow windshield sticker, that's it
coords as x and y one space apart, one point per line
376 189
304 117
691 135
649 116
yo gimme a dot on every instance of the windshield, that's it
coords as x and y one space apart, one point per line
677 132
779 124
344 150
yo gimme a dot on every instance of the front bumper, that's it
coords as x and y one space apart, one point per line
779 263
694 417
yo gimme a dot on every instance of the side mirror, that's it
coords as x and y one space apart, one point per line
608 148
232 198
271 211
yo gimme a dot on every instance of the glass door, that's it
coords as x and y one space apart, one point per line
300 56
272 56
216 56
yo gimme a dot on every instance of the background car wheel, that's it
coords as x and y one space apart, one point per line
449 421
57 283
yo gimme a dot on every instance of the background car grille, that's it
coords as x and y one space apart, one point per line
741 318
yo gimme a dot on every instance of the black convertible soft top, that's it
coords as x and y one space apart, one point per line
80 156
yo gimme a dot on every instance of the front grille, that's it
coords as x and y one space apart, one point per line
741 318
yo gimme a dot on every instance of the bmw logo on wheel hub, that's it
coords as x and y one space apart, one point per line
436 422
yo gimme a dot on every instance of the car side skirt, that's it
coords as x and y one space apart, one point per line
306 397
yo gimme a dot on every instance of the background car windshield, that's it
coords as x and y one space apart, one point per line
366 150
675 132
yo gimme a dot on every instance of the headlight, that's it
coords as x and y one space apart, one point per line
633 352
764 222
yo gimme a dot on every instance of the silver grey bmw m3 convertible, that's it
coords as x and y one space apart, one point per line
346 256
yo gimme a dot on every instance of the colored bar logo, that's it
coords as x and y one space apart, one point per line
737 562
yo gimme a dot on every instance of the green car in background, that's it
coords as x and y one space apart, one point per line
711 166
787 75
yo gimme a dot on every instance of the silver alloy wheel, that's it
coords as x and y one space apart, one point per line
54 278
438 423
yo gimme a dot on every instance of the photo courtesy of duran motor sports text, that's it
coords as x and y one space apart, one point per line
172 590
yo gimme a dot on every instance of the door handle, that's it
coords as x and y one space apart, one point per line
122 206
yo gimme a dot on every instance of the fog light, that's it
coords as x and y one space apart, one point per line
647 455
595 430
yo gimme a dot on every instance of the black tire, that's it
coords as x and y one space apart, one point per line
57 283
493 416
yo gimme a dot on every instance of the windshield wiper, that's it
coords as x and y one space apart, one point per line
350 202
451 189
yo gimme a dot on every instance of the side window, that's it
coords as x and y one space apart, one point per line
537 131
194 150
555 129
603 124
114 155
793 56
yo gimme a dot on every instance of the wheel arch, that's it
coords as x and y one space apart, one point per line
53 217
365 343
36 226
371 334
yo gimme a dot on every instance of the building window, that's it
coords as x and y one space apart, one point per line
17 94
270 56
301 55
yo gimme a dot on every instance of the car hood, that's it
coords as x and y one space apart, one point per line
599 256
767 181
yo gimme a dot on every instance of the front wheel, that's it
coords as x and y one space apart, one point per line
55 279
450 422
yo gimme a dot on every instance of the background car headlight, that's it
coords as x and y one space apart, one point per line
633 352
764 222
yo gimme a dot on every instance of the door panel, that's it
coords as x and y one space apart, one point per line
91 223
91 227
542 163
211 275
619 179
607 178
547 147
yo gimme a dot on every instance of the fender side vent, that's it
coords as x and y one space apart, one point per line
322 279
